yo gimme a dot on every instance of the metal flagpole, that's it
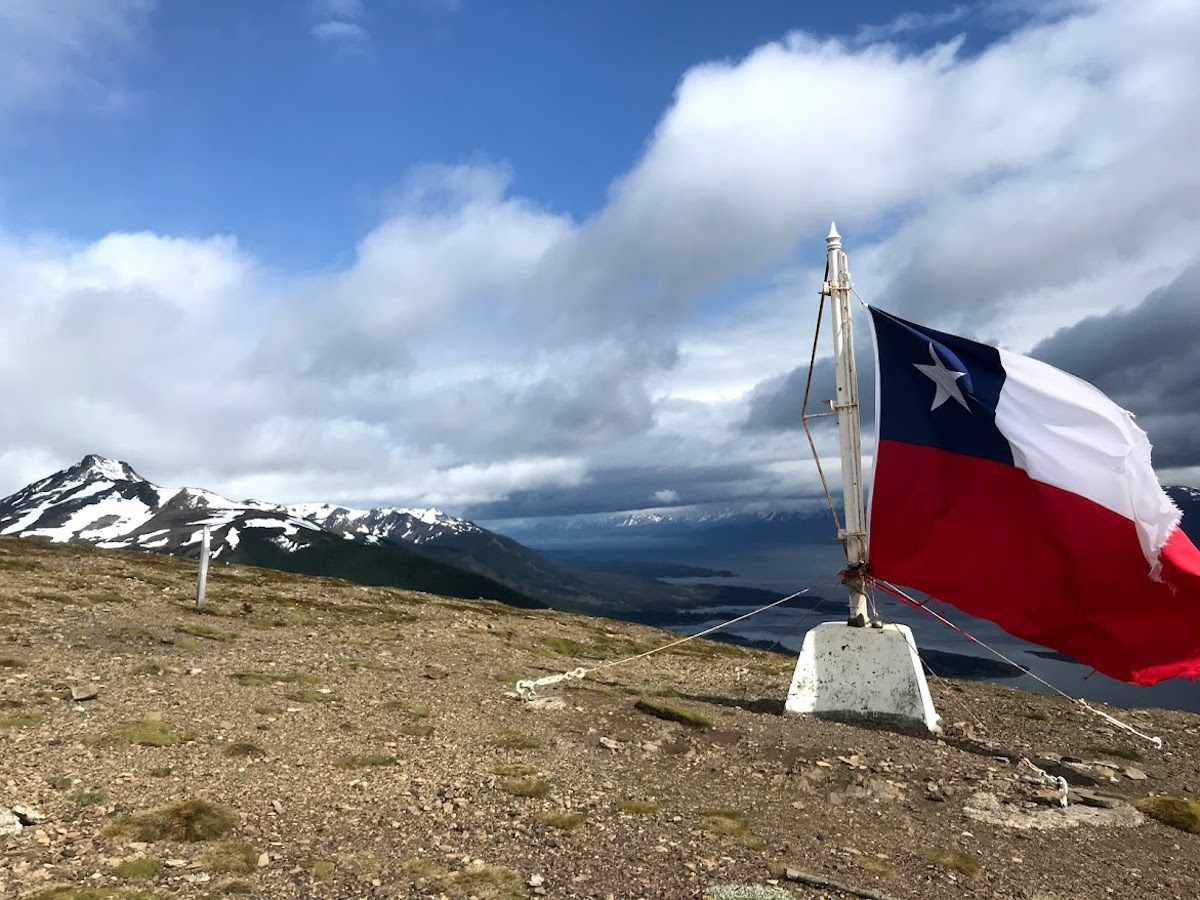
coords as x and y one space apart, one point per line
843 668
854 536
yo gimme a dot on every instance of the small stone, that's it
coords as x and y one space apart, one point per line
264 860
277 806
81 692
1135 774
536 880
436 672
610 744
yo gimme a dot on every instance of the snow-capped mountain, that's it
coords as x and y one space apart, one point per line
415 526
105 502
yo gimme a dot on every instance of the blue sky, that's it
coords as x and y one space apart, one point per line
234 117
520 259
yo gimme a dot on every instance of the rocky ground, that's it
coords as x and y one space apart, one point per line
313 738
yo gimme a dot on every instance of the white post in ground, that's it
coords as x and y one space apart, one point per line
202 580
845 669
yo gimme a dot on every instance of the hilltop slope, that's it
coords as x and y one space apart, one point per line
363 742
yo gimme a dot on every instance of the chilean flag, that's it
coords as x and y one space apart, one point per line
1023 495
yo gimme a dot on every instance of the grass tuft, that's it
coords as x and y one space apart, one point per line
525 787
1127 753
140 868
485 883
877 867
514 770
639 807
954 861
186 821
145 733
365 762
559 820
84 799
75 892
20 720
416 730
1173 811
208 632
673 713
258 679
228 858
730 823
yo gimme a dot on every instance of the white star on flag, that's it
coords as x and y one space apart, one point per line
945 379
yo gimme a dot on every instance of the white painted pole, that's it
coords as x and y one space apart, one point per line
202 581
845 404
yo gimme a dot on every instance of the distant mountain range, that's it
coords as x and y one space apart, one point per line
105 502
654 534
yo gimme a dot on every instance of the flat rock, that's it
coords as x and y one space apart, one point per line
81 692
9 823
987 807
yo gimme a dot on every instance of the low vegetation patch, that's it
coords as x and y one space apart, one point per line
365 762
673 713
1173 811
639 807
416 730
413 710
485 883
84 799
954 861
149 667
747 892
209 632
228 858
1127 753
74 892
19 720
562 821
258 679
730 823
514 770
878 867
11 662
144 733
321 869
187 821
140 868
525 787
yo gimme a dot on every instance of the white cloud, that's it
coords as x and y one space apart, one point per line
342 33
911 22
339 23
482 349
51 48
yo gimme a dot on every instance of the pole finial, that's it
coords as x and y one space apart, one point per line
834 239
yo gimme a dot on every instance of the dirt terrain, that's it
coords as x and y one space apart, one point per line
318 739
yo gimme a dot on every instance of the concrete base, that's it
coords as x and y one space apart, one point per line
861 672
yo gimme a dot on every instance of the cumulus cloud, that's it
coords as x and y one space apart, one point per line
488 354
